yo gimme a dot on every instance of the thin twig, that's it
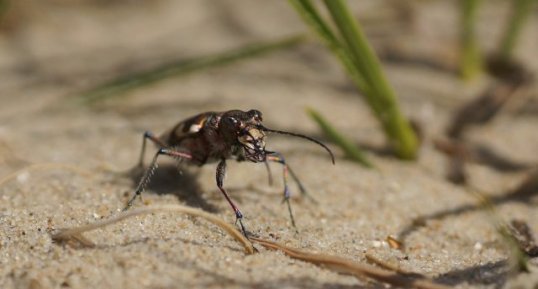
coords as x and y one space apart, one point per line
346 266
390 267
76 233
332 262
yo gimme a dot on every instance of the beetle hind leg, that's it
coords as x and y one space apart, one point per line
148 135
144 181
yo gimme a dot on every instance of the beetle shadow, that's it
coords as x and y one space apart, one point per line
494 274
179 181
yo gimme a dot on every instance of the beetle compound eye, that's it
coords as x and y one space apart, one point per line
255 114
232 121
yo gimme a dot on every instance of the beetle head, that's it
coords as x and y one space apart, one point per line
244 128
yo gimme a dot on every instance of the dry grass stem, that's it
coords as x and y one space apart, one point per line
391 267
76 233
342 265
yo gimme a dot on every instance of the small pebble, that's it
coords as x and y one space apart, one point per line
377 244
23 177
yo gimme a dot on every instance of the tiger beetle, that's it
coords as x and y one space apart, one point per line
215 137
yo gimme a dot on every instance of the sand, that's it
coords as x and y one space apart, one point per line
56 48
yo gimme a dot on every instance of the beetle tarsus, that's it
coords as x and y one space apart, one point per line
239 219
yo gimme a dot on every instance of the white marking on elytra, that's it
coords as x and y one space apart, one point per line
195 128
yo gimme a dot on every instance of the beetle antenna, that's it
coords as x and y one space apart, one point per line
301 136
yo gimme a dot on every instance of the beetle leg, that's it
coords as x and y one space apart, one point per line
154 139
269 173
268 169
144 181
221 172
276 157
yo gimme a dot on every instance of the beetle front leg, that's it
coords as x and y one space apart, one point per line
277 157
144 181
269 173
221 172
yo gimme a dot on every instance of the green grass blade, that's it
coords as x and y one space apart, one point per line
4 7
350 149
312 17
129 82
380 96
521 10
357 46
471 58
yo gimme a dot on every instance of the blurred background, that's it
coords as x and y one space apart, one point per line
439 96
431 107
149 59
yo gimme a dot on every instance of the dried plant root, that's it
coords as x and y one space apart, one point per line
341 265
76 233
346 266
390 267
